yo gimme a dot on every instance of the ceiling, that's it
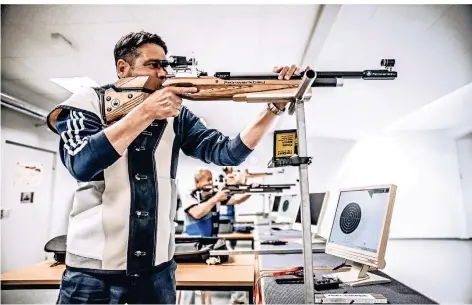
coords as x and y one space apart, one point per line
432 45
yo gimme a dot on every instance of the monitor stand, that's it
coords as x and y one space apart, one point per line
358 276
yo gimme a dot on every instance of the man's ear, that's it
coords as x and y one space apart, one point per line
122 68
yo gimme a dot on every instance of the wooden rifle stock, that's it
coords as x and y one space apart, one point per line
128 93
239 90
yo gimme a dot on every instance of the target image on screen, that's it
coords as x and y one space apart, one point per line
359 218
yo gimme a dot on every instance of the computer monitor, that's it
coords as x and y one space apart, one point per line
276 204
288 207
360 232
317 206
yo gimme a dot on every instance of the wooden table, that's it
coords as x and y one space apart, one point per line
38 276
235 275
236 236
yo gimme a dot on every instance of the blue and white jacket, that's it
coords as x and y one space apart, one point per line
124 206
208 225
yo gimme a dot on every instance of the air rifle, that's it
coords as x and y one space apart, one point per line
127 93
208 192
262 188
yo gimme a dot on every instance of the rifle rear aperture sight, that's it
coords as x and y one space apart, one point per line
182 64
177 61
388 63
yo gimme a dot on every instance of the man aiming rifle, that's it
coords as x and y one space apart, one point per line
120 239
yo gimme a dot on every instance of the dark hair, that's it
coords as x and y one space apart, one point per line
127 47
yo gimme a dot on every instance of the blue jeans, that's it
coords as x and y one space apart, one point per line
156 287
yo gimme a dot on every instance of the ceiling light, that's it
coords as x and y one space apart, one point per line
73 84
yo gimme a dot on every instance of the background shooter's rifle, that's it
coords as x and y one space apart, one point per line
262 188
208 192
127 93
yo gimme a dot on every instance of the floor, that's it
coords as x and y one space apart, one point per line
440 269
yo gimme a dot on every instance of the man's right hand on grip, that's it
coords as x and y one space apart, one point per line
166 102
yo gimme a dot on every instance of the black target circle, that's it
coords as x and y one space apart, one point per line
350 218
285 205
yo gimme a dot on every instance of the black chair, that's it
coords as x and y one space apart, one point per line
57 245
225 226
179 229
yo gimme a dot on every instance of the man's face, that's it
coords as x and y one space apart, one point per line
145 64
206 179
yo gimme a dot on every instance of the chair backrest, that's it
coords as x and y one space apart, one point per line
57 244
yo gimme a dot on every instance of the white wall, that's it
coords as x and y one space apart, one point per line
328 154
464 152
20 128
424 166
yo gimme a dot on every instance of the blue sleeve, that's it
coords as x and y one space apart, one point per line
84 149
209 145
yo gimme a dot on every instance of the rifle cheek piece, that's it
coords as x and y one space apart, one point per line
125 94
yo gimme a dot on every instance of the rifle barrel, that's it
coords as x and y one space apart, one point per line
266 188
332 76
344 74
244 186
328 82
